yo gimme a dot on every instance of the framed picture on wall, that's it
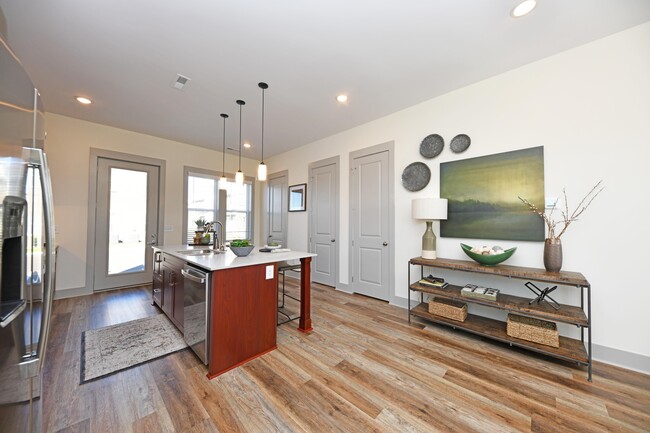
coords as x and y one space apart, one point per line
298 197
482 195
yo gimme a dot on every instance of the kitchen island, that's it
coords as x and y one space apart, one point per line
239 310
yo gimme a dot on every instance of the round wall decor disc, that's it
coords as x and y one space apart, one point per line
460 143
431 146
416 176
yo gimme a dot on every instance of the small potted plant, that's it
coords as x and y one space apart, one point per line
200 224
200 228
241 247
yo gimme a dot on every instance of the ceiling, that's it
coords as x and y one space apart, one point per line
386 55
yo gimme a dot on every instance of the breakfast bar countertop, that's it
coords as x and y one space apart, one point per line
227 260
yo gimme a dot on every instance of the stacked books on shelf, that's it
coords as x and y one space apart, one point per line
433 282
473 291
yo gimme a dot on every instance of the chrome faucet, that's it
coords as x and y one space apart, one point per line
218 244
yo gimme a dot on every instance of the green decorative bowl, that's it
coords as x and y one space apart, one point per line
488 260
242 251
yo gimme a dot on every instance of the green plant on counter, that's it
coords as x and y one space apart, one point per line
240 243
200 223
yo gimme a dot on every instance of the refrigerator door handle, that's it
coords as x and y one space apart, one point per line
32 366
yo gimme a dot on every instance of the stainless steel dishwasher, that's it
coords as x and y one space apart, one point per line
196 285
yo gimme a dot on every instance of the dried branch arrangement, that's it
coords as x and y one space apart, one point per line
562 224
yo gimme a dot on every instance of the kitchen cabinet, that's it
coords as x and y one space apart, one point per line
172 296
243 315
157 282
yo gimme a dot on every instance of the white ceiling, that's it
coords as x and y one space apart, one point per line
385 54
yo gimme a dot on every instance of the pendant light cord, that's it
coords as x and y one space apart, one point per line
240 102
262 125
223 152
263 86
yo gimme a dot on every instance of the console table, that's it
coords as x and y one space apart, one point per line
577 350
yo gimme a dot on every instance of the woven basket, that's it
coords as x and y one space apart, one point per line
535 330
448 308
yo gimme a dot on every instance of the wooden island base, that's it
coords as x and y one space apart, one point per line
243 311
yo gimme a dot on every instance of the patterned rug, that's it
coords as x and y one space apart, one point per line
107 350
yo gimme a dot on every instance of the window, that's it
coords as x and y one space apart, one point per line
203 202
239 216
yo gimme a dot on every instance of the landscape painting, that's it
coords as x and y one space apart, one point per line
483 193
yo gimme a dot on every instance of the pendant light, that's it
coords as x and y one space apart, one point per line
261 169
223 182
239 177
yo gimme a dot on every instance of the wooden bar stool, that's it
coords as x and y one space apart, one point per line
282 268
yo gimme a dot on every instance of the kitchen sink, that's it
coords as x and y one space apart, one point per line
197 252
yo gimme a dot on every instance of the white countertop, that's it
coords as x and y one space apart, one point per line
215 262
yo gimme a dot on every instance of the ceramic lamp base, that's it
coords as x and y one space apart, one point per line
429 243
428 254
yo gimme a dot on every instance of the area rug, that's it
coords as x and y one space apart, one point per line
107 350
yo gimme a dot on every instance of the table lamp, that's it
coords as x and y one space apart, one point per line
429 209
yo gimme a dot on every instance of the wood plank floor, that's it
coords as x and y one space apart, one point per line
363 369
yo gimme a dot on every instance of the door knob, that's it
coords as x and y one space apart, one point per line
333 240
385 244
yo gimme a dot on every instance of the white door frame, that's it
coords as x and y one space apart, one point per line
384 147
95 154
335 160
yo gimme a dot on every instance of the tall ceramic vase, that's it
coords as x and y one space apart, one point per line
553 255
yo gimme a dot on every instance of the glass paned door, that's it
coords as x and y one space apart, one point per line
127 232
126 222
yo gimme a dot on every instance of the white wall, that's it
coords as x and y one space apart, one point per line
68 150
590 109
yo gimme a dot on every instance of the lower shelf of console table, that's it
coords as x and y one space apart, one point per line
570 349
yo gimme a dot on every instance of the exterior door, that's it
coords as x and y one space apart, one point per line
126 222
323 221
278 208
369 201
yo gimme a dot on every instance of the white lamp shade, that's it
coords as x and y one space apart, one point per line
239 178
223 183
261 172
429 209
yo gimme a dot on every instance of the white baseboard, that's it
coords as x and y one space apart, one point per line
72 293
342 287
621 358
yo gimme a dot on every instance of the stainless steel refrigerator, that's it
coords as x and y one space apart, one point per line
26 249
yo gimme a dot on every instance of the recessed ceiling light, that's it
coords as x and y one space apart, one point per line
247 145
342 98
83 100
523 8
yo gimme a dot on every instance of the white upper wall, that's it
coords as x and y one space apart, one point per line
590 109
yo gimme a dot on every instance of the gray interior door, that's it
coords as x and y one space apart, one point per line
278 208
323 221
126 222
369 203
